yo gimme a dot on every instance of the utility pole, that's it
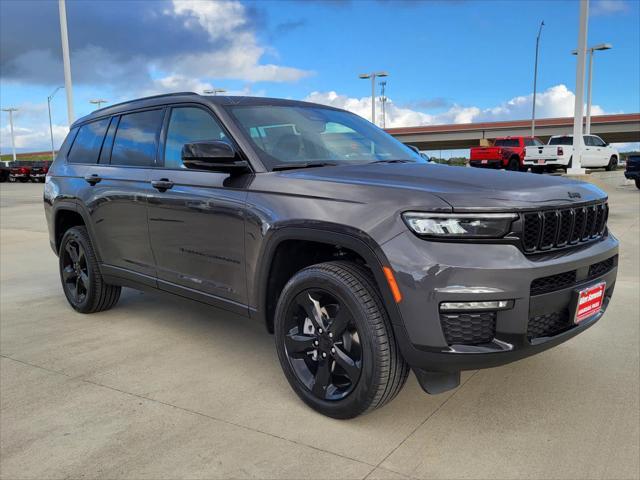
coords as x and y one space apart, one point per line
64 36
373 77
535 82
13 139
383 101
49 98
576 163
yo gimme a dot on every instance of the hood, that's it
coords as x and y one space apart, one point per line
465 189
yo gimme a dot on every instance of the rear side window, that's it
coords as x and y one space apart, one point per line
136 140
507 142
187 125
561 141
86 147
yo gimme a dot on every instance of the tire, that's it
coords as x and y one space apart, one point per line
24 180
638 183
613 164
514 164
347 300
82 282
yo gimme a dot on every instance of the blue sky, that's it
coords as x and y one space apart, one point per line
449 61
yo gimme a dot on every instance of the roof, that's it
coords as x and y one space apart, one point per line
181 97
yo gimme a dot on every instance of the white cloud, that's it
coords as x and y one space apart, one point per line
556 101
235 53
609 7
31 129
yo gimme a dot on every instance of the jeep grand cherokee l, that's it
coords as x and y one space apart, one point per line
364 260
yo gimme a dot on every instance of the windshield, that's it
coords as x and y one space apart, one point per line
506 142
285 135
561 141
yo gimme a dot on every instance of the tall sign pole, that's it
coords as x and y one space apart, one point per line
578 142
535 83
65 59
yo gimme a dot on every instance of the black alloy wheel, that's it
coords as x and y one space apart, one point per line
335 342
82 282
75 273
322 344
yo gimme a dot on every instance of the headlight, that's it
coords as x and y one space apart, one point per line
460 225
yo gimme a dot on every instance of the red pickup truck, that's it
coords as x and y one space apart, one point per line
506 152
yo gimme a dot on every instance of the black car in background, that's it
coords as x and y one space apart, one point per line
5 169
632 170
39 171
364 259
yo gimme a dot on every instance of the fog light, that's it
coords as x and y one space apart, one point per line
487 305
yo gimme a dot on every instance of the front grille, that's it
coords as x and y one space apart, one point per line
549 324
550 229
600 268
553 282
468 328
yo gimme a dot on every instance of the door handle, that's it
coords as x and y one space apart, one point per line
162 185
93 179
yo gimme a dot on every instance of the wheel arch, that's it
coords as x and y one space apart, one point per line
67 215
348 243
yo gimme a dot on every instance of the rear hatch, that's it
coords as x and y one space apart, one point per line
542 152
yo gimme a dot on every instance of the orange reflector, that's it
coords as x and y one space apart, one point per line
391 280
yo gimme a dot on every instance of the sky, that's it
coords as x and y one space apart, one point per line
455 61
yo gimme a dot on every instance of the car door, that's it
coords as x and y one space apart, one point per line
602 153
116 190
196 217
589 154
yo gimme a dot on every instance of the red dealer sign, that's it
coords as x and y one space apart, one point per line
589 301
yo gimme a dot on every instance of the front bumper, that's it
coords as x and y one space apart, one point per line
429 273
632 174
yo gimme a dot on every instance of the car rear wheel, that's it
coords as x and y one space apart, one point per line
514 164
613 164
82 282
335 342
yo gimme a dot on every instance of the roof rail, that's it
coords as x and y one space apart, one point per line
145 98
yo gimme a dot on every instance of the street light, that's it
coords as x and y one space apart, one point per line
13 140
535 83
602 46
213 91
64 38
49 98
98 101
373 76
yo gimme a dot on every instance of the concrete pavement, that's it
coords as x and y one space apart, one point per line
164 388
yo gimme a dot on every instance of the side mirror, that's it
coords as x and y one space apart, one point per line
213 155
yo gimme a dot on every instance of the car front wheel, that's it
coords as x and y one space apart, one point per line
82 282
335 342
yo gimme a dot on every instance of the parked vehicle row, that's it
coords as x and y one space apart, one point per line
361 257
524 153
23 171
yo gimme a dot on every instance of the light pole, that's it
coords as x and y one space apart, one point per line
535 83
602 46
578 141
213 91
13 140
98 101
64 37
49 98
383 101
373 76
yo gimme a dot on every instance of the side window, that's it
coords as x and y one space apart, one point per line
186 125
528 142
598 142
86 147
588 141
136 140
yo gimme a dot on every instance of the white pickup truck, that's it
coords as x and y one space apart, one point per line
558 153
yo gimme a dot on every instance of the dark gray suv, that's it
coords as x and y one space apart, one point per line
362 258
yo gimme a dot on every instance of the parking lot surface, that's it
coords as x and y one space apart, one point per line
165 388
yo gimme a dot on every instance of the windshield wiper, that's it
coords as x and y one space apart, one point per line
291 166
393 161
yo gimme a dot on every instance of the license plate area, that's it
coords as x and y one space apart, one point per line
541 162
589 302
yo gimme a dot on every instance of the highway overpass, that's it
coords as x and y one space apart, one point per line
611 128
